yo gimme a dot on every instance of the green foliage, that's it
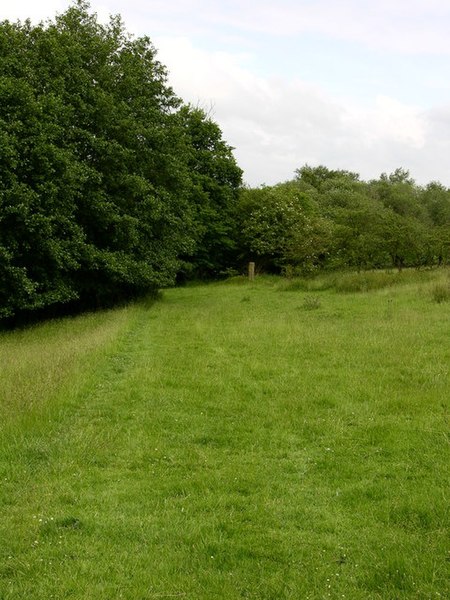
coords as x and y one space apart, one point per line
268 215
104 182
215 182
280 228
328 219
435 198
108 185
319 177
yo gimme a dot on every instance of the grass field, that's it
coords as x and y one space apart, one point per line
275 440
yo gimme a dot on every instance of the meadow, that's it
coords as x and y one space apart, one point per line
280 439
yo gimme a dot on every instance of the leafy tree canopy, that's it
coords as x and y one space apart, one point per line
106 179
332 219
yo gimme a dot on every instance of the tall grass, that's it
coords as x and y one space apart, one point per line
440 290
362 281
228 443
52 360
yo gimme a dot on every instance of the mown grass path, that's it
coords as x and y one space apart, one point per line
226 442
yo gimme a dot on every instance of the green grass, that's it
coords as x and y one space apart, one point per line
441 291
229 442
363 281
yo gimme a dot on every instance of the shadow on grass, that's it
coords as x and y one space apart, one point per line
28 318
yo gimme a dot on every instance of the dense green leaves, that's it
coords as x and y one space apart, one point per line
332 219
216 180
94 182
109 185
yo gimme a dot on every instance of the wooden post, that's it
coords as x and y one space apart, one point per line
251 271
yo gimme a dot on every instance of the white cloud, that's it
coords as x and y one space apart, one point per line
29 9
390 120
277 125
402 26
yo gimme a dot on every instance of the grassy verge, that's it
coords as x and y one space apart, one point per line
231 442
366 281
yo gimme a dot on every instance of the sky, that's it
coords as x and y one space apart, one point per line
350 84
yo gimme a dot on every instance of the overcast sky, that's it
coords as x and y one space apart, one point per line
361 85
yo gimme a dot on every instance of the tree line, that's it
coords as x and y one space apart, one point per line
330 219
111 186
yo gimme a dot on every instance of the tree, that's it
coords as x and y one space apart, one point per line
436 200
216 180
95 181
399 192
317 177
331 219
279 226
